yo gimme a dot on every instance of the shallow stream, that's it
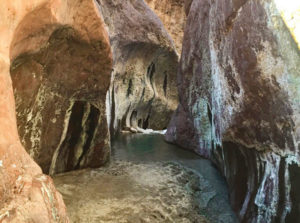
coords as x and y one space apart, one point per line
147 180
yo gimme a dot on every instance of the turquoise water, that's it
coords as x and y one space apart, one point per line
142 148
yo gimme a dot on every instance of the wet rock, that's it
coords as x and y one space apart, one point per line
239 103
143 91
26 195
60 70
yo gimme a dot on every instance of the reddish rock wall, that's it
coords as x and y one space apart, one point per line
61 66
240 103
26 195
172 14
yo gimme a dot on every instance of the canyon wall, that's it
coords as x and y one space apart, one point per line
26 195
143 91
61 67
172 14
239 84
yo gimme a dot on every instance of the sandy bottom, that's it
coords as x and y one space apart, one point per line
133 192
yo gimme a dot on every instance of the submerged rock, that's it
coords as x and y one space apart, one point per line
128 192
143 91
240 103
61 66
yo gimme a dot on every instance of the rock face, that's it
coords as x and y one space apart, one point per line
239 105
172 14
26 195
61 72
143 91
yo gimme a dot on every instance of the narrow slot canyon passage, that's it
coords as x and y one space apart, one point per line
150 111
147 180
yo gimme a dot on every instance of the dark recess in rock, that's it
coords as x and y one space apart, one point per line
73 148
294 215
165 83
129 89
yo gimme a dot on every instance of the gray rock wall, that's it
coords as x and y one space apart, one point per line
143 91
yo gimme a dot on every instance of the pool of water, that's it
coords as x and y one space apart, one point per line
153 148
148 148
147 181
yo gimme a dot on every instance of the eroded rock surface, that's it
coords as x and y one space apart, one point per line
143 91
172 14
240 103
26 195
61 72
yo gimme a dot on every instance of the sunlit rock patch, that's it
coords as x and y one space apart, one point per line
290 12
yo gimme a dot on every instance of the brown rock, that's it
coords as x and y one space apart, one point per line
61 72
143 90
172 14
25 194
239 104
